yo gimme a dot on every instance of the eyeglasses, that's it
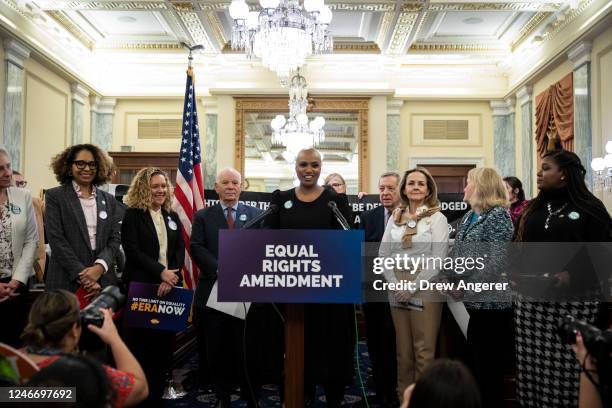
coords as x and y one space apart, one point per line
334 185
21 183
81 164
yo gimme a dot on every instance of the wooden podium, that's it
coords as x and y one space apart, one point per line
294 356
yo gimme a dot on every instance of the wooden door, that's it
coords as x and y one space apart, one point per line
128 163
450 178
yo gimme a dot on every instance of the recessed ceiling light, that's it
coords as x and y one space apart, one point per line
473 20
126 19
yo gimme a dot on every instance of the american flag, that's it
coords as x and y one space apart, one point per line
189 192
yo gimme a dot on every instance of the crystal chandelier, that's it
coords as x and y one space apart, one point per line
602 166
297 133
283 34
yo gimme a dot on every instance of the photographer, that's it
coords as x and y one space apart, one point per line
54 330
589 395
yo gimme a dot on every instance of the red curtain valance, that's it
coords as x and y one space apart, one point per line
555 116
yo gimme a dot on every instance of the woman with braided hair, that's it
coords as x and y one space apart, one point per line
417 228
564 211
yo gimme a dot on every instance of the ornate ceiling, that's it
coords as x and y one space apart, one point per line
371 26
379 44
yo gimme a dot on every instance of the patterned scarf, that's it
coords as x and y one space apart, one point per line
411 223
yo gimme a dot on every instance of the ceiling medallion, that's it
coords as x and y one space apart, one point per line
283 34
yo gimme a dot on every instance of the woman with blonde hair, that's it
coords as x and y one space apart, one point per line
336 181
482 236
154 252
417 229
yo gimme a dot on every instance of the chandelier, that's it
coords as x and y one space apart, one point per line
283 34
602 166
297 132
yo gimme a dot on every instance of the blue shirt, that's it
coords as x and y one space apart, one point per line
233 207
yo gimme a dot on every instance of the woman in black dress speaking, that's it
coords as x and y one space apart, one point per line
329 333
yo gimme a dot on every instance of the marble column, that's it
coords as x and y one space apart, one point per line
525 100
102 113
503 137
79 93
394 107
580 55
211 112
15 54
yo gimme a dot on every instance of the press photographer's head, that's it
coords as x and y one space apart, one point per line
54 322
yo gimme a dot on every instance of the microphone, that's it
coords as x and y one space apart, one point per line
341 220
272 209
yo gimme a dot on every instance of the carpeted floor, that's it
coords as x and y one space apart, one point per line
187 377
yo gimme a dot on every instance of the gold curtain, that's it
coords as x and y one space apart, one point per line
555 116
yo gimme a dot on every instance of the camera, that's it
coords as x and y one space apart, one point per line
597 342
599 345
110 297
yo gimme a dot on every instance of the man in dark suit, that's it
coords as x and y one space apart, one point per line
380 333
219 332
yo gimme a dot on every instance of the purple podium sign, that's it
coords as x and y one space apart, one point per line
290 266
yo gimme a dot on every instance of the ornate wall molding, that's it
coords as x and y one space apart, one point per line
215 26
385 26
402 30
62 19
380 7
360 106
455 47
196 29
105 5
528 28
527 6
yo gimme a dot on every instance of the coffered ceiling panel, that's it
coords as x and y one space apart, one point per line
376 26
125 25
380 44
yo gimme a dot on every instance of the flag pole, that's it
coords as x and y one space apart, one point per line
190 58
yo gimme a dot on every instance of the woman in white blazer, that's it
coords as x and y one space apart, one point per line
18 244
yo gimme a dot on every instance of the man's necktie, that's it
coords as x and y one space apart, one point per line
230 218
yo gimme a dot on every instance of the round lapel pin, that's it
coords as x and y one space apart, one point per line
172 225
103 215
288 204
243 217
412 224
15 209
574 215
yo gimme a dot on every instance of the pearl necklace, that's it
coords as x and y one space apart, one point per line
552 213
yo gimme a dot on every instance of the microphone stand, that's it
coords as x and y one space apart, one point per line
339 217
273 208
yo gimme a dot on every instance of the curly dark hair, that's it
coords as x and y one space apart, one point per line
62 163
579 195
